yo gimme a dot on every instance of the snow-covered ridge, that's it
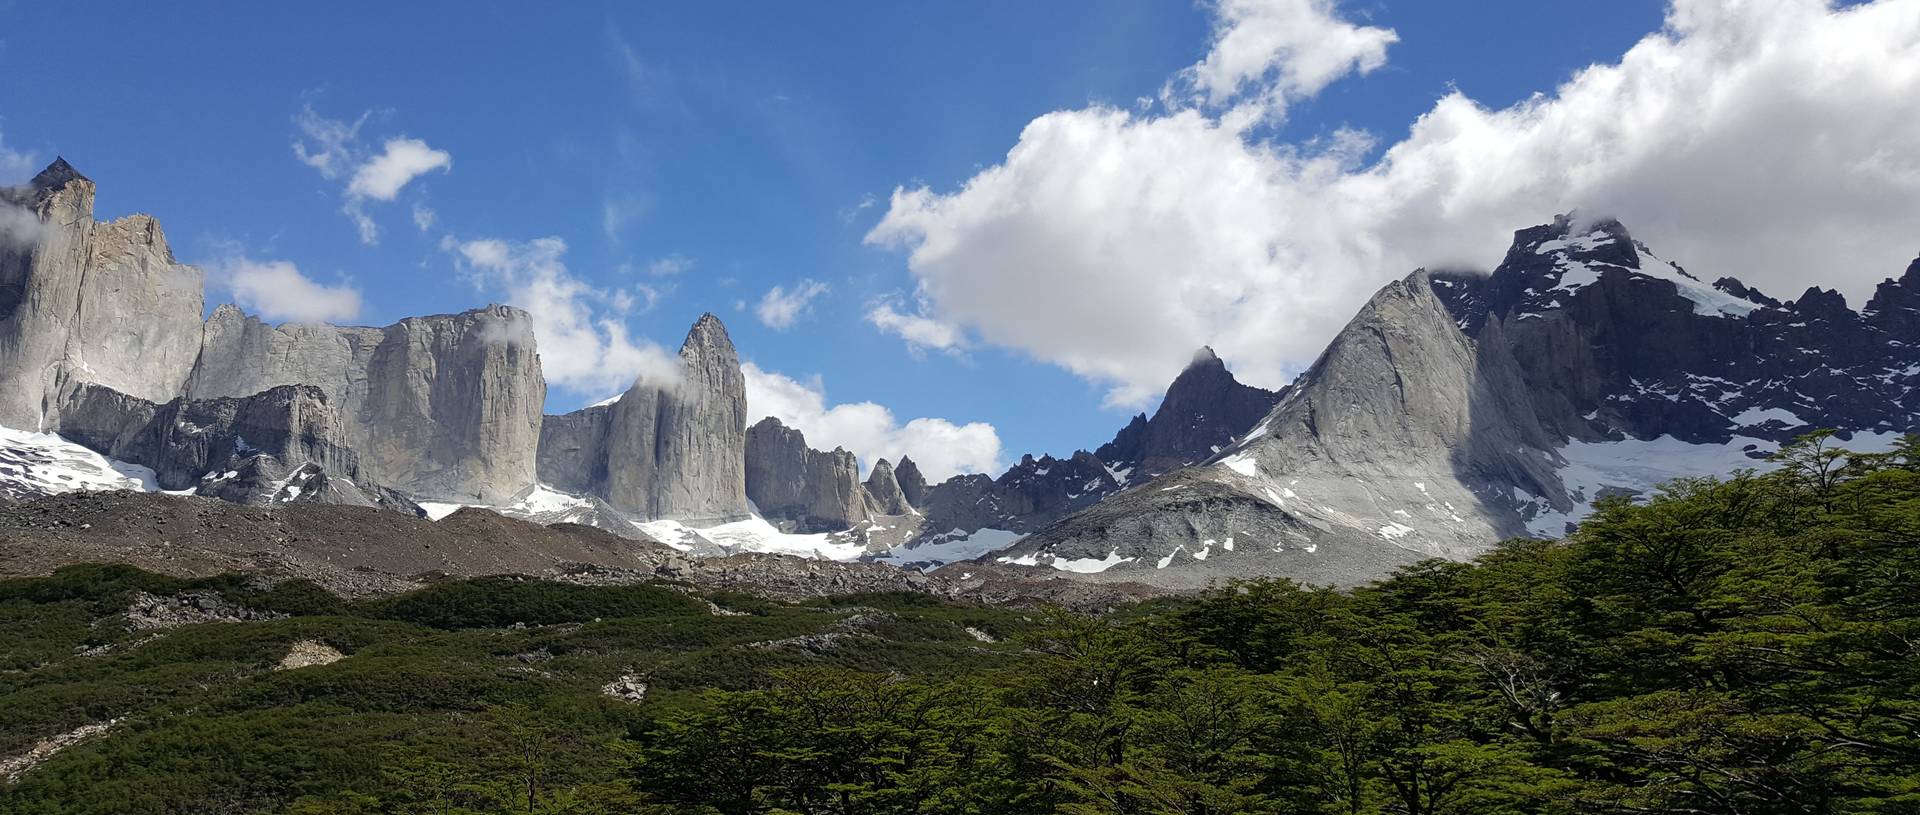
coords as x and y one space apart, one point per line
1574 272
36 464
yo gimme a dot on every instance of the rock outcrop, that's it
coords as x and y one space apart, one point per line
884 491
913 485
672 450
279 445
802 489
1204 410
444 407
82 301
1029 495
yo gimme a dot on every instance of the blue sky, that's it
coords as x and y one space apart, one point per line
754 144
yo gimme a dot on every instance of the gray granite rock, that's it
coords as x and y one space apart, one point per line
82 301
445 407
799 488
665 450
884 492
913 485
283 444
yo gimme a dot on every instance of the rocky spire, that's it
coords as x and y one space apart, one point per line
884 487
677 450
1204 410
913 485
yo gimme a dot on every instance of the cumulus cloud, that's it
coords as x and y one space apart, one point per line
403 160
918 329
1775 140
1266 53
584 346
334 148
277 291
780 307
940 447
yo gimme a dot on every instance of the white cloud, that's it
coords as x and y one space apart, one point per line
277 291
404 160
670 265
1776 140
940 447
327 145
16 167
19 226
584 347
333 147
424 216
1275 51
779 308
918 329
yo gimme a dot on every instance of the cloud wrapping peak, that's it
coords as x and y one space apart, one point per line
584 346
277 291
780 308
16 166
1775 140
940 447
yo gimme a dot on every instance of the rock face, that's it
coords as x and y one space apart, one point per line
441 407
913 485
801 488
1396 444
87 302
279 445
1027 496
671 450
884 491
1613 341
1458 409
444 407
1204 410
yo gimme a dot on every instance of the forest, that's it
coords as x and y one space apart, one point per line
1747 644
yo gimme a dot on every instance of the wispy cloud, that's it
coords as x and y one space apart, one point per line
335 149
781 307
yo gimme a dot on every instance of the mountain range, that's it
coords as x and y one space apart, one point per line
1456 409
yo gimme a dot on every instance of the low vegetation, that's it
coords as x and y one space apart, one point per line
1742 645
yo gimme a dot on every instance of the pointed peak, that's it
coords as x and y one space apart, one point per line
880 465
1205 356
707 332
57 174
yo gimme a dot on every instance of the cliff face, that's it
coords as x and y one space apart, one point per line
282 444
88 302
798 486
670 450
444 407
